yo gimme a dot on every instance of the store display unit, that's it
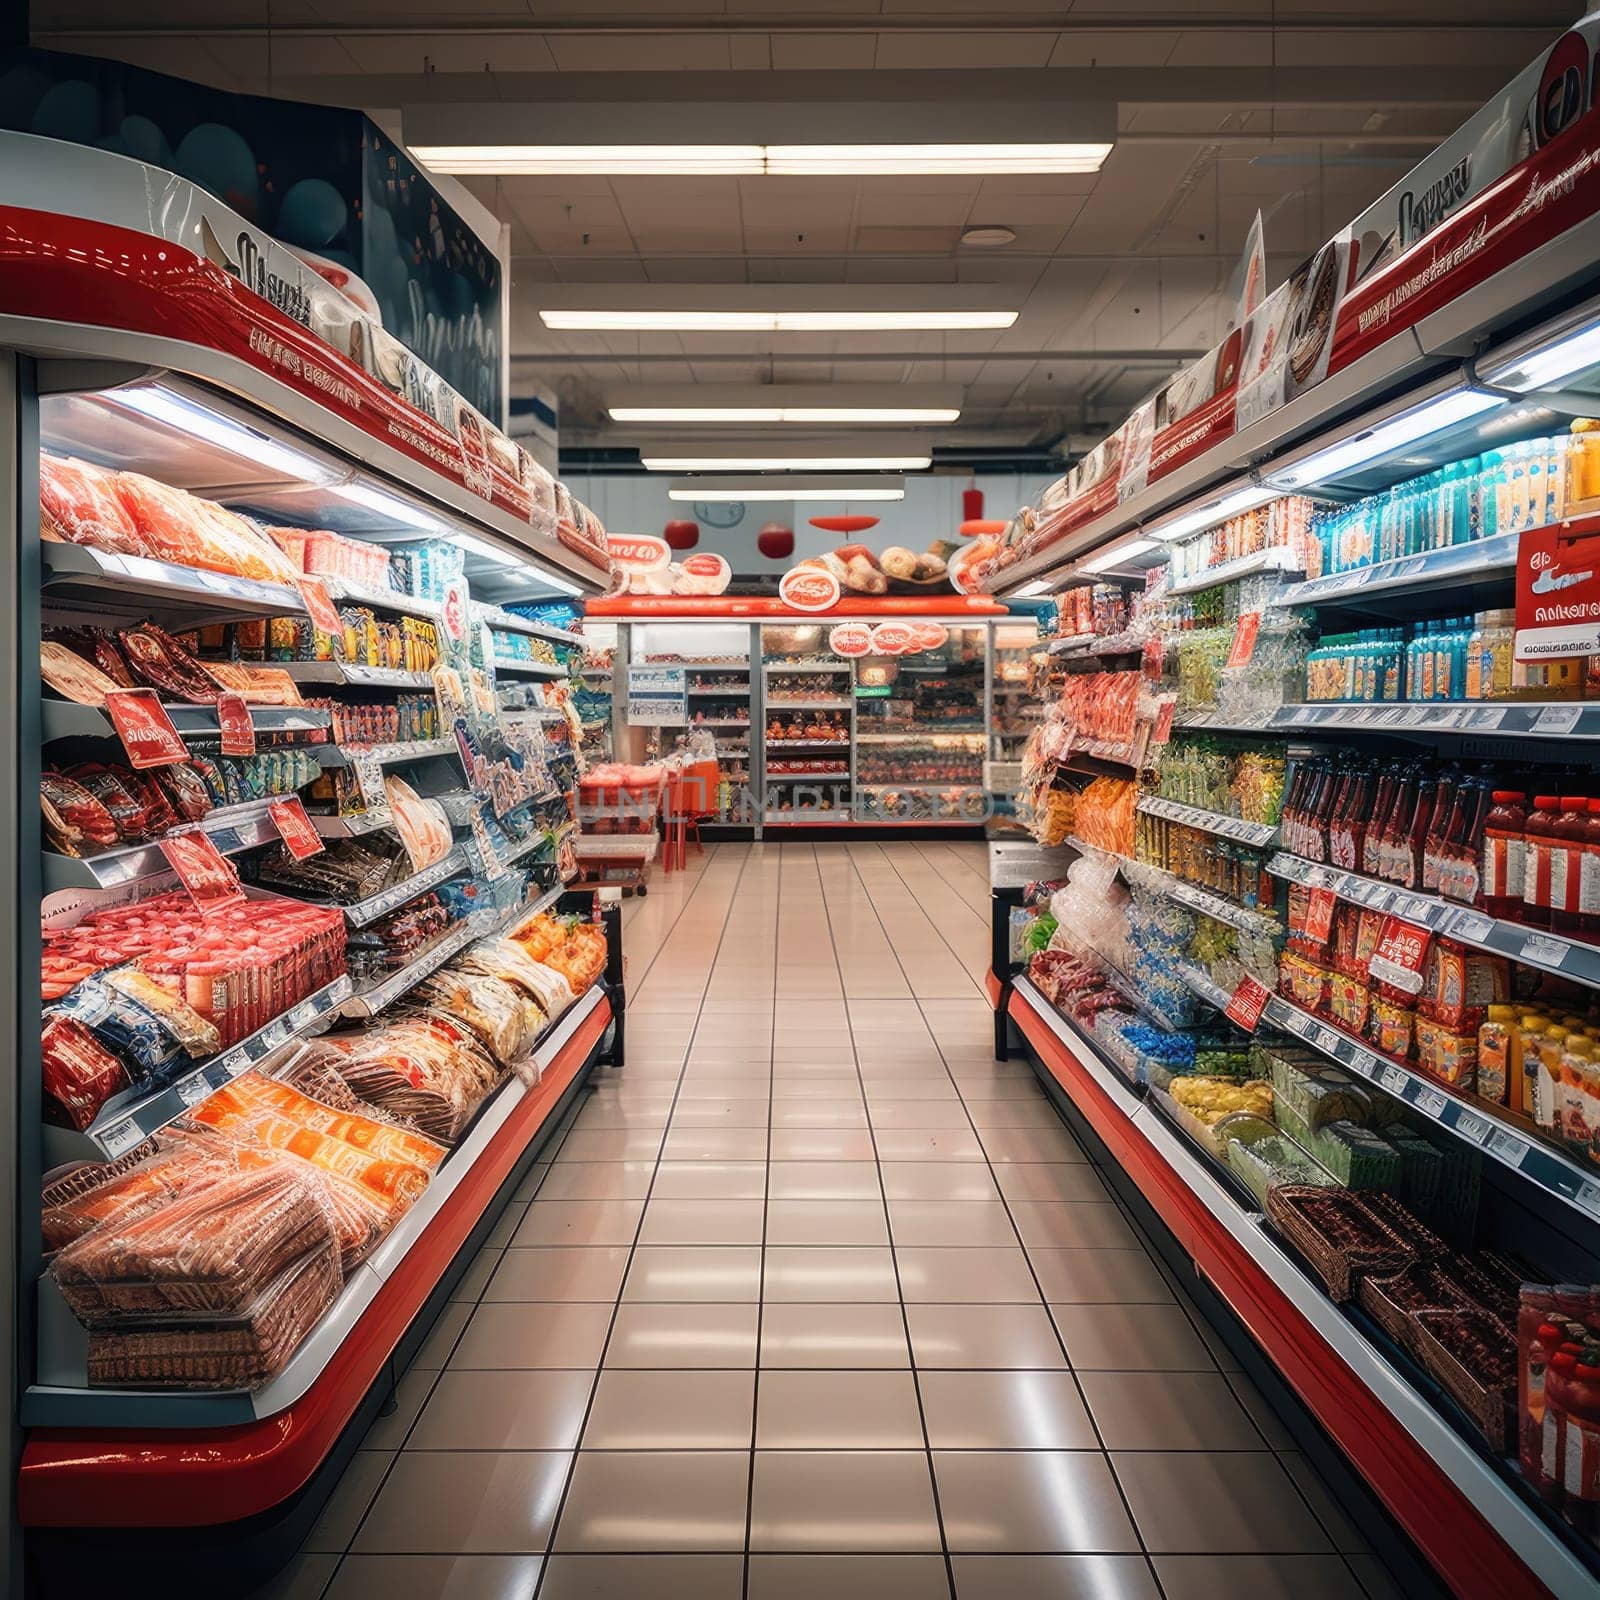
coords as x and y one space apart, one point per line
378 749
1324 599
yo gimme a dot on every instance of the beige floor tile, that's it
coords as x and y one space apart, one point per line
655 1500
833 1410
467 1501
435 1577
655 1409
841 1501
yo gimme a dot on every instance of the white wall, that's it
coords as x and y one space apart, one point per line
931 510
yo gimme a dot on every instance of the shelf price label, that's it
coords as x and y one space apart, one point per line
120 1137
1394 1080
1431 1103
1505 1146
1556 719
193 1090
1247 1003
210 878
1470 925
1546 952
1588 1196
1328 1041
146 731
1471 1126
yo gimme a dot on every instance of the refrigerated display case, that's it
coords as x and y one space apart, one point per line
305 817
1341 874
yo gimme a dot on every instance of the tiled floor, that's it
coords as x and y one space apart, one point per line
816 1299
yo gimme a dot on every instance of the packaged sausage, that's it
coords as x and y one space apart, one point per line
76 822
78 1073
78 504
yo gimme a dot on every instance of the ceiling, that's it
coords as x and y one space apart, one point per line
1303 109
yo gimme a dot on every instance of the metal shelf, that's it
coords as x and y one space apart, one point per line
837 779
921 788
804 705
66 719
1562 719
340 672
807 744
528 669
397 895
807 666
411 605
232 829
371 1001
75 572
1456 565
1260 834
509 622
1533 947
385 755
1147 875
1276 558
349 827
116 1132
897 737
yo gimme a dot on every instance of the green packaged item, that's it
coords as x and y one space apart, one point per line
1320 1095
1262 1157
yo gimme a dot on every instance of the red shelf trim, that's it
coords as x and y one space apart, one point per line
79 1478
993 988
1447 1527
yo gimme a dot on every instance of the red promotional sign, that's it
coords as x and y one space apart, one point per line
638 552
1398 960
205 872
145 729
707 573
1244 639
808 589
1319 914
320 608
895 638
1248 1002
1558 593
300 837
238 727
851 639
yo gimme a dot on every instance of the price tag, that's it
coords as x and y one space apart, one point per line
210 878
1471 1126
301 1014
1410 569
193 1090
1556 719
321 610
120 1137
1545 951
1470 925
1319 914
1588 1196
1430 1102
230 1066
1299 1023
1486 718
300 837
1394 1080
1505 1146
1247 1003
1328 1041
146 731
1398 960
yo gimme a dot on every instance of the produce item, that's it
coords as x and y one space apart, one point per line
182 528
71 676
1209 1100
79 504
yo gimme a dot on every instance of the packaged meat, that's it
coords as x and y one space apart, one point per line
378 1138
256 686
106 1191
79 504
423 827
123 1026
182 528
78 1073
198 1036
241 1351
159 813
185 789
71 676
211 1250
166 665
75 822
131 815
490 1007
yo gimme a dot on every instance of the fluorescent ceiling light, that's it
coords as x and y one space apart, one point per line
928 415
1245 498
691 321
483 549
1551 366
758 160
215 428
1118 555
1029 590
388 505
785 463
551 580
1384 439
760 490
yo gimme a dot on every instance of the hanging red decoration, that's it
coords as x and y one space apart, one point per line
845 524
682 535
971 504
975 526
776 541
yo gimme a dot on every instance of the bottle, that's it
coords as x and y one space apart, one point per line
1503 856
1538 1338
1549 1480
1570 835
1438 805
1540 834
1580 1477
1372 844
1499 1054
1577 1056
1463 841
1534 1091
1347 828
1589 879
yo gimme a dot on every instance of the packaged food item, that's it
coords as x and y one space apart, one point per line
164 664
71 676
182 528
149 1177
79 1074
78 504
76 822
423 827
489 1006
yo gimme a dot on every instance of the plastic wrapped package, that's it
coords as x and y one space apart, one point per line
76 822
489 1006
166 665
108 1191
1263 1158
182 528
71 676
1318 1094
79 504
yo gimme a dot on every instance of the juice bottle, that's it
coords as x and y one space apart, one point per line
1540 834
1570 836
1551 1478
1438 805
1541 1071
1499 1054
1504 854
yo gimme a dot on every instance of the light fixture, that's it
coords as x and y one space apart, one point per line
1029 590
988 238
755 403
690 321
215 428
1384 439
533 574
1551 365
389 505
1118 555
757 160
483 549
1245 497
762 490
753 463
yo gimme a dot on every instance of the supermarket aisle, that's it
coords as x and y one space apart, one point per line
816 1299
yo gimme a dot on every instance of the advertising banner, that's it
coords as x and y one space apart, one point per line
1558 594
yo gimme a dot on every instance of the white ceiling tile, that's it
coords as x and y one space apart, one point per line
1082 48
962 50
606 52
834 52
